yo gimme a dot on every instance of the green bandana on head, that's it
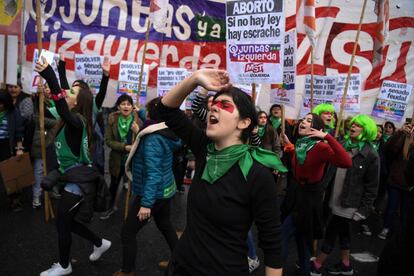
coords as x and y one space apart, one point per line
124 125
219 162
349 145
276 122
302 146
2 116
262 131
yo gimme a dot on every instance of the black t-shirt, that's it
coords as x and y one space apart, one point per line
219 215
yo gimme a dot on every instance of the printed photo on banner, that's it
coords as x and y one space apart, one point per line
255 34
392 101
89 69
51 58
128 80
352 103
284 93
324 91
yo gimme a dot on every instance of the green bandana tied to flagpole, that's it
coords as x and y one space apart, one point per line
349 145
2 116
302 146
219 162
276 122
262 130
123 126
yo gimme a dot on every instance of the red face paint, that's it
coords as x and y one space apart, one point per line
225 105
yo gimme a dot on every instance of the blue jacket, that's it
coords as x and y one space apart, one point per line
152 167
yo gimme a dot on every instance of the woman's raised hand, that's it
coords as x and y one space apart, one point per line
213 79
41 66
316 133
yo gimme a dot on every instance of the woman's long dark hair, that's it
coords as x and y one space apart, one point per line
268 140
245 107
84 107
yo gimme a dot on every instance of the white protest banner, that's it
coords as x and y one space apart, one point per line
247 88
168 78
255 33
128 80
392 100
352 103
12 57
285 93
324 91
89 69
51 58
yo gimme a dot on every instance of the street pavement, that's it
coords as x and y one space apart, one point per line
28 245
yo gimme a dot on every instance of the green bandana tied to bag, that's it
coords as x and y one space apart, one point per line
276 122
219 162
262 130
2 116
302 146
123 126
349 145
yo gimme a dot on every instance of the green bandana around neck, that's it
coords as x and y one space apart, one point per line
376 145
123 126
349 145
2 116
219 162
386 137
276 122
262 131
302 146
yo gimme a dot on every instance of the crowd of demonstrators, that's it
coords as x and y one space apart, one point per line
235 152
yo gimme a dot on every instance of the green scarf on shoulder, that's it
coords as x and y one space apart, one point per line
2 116
276 122
375 145
262 131
349 145
219 162
302 146
124 125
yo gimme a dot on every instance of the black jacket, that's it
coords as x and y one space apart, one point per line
361 181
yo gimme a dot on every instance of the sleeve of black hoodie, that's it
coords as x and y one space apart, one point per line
62 75
62 108
189 133
99 99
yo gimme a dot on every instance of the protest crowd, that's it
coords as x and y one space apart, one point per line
254 180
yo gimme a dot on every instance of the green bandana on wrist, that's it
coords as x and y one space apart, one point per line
349 145
219 162
276 122
262 130
302 146
2 116
124 125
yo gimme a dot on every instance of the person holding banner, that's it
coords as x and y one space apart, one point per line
233 183
353 193
327 112
302 207
72 142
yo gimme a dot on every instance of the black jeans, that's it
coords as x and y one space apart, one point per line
66 224
161 214
337 226
115 183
